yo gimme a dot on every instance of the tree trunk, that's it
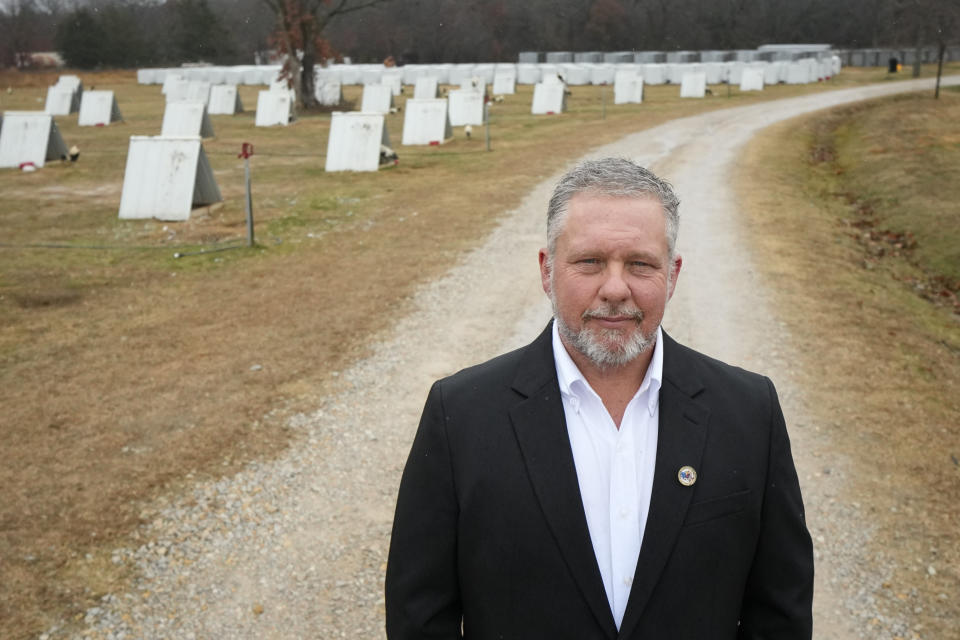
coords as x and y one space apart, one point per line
918 54
294 72
943 48
308 37
306 93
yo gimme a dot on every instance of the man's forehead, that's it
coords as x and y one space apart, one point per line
585 206
634 220
595 200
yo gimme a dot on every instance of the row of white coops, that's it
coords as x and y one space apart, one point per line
503 77
523 73
167 175
276 105
97 108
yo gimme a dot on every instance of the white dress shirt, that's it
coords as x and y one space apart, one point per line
614 467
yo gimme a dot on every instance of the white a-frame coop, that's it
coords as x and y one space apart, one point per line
466 107
505 82
425 88
224 100
627 87
166 177
63 98
548 98
329 94
751 80
274 107
377 98
693 85
426 122
186 118
29 138
355 140
98 108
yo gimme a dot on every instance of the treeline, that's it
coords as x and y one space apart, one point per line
136 33
497 30
133 33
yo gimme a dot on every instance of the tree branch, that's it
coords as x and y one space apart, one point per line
343 7
275 6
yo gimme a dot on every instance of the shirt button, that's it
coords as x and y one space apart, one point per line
627 580
624 513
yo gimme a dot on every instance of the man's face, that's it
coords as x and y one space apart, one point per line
610 277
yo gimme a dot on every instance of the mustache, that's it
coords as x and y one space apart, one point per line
608 311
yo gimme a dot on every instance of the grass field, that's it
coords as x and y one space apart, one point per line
125 373
855 219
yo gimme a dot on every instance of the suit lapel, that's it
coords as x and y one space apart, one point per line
541 432
680 442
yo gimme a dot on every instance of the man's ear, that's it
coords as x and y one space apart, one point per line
674 274
545 271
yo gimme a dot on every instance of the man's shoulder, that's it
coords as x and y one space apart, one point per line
529 365
497 371
684 365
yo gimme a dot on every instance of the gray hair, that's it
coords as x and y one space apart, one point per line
617 177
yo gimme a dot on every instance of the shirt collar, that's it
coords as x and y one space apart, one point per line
572 382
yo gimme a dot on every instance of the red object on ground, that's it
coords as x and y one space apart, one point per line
246 150
434 143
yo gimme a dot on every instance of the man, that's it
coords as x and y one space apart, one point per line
604 481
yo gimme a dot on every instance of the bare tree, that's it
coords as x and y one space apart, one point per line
946 17
299 37
920 22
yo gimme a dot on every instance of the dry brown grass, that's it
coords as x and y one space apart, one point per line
884 365
125 373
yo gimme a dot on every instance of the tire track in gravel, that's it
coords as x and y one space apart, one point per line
295 548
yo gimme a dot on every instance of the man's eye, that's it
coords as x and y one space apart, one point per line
589 261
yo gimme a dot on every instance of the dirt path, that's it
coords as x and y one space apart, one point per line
296 548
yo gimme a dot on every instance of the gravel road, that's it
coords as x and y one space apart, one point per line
296 548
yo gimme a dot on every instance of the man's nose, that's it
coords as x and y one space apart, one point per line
614 287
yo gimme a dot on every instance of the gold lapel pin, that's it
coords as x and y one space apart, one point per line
687 476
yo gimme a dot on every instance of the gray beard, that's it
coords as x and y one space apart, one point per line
605 348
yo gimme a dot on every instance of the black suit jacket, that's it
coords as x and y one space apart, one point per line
490 540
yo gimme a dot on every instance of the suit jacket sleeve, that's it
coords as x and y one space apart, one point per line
779 591
422 596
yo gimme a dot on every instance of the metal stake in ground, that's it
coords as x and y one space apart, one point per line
486 117
246 150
